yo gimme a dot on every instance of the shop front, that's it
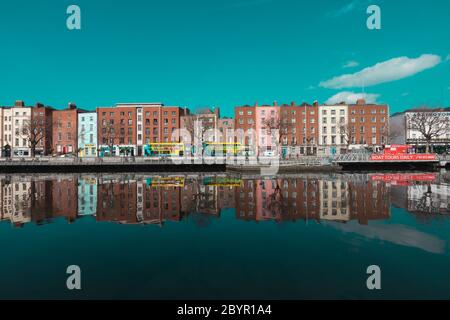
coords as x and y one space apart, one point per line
118 151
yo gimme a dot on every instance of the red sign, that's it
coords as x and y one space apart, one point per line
404 177
404 157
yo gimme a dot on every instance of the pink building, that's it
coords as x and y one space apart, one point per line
253 121
266 117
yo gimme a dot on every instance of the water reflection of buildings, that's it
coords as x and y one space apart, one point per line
16 202
429 198
331 199
87 195
138 199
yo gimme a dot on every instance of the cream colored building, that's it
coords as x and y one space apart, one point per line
331 119
334 200
13 122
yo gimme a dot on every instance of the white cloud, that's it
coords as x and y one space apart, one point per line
349 7
351 97
397 234
405 94
387 71
448 58
350 64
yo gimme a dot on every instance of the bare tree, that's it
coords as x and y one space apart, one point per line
197 126
277 128
36 132
347 131
194 127
430 124
110 135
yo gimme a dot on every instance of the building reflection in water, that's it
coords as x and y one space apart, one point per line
140 199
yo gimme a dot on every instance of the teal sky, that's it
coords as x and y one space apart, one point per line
221 53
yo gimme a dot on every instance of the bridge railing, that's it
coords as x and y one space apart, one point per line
352 157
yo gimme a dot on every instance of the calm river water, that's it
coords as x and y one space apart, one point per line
138 236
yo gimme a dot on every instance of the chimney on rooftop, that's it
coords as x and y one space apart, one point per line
19 103
316 103
39 105
293 104
361 102
217 112
72 106
275 103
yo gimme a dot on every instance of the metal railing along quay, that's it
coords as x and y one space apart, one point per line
72 161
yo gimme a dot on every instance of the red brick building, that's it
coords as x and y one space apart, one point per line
64 198
127 128
297 125
42 123
299 128
117 201
65 130
117 127
159 124
245 121
369 200
368 124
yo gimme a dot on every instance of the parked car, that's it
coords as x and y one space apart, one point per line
269 153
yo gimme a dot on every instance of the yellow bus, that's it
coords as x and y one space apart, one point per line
177 182
164 149
222 148
222 182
